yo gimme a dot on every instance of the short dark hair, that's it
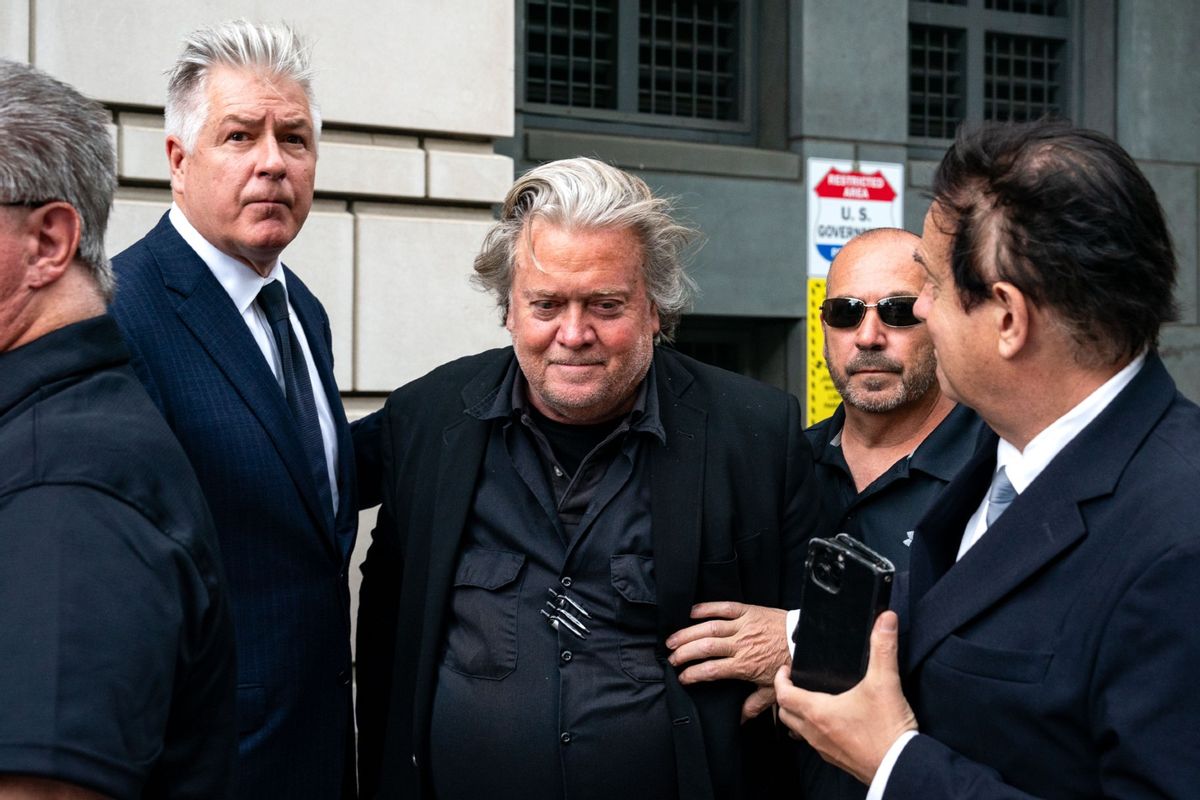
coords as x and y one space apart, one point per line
1065 215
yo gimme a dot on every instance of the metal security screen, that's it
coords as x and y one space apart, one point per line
570 53
1022 77
936 91
1045 8
688 58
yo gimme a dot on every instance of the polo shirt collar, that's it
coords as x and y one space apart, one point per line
81 347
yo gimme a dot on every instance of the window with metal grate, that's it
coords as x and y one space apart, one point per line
936 94
976 60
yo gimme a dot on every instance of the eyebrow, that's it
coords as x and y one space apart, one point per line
602 292
291 123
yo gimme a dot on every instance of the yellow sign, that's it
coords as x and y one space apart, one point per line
823 398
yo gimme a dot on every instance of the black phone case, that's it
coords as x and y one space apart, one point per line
846 586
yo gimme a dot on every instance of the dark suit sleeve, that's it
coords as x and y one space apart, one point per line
367 435
1143 702
379 602
802 511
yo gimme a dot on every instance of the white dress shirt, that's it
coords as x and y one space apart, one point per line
1022 468
243 285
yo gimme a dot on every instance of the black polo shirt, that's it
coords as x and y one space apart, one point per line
116 641
537 695
884 514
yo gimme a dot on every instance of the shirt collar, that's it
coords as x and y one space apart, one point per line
511 399
1023 467
241 283
80 347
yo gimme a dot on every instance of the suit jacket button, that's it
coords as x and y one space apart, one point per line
414 759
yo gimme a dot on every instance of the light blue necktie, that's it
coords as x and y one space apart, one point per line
1000 496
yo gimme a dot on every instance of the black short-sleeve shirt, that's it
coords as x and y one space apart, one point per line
884 514
116 641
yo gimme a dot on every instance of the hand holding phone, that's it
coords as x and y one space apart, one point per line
846 586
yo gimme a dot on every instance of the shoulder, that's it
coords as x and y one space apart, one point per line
450 379
703 384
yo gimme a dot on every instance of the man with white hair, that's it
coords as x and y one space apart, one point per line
116 641
553 509
236 352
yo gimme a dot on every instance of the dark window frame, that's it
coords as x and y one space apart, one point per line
976 21
626 120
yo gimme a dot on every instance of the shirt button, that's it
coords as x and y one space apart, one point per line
565 581
557 472
414 759
565 738
565 655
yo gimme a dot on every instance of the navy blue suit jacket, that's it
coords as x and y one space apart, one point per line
284 555
1058 657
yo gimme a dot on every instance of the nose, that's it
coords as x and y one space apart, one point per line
924 300
270 159
574 328
870 334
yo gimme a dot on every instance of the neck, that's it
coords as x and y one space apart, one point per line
906 426
873 442
72 298
1058 391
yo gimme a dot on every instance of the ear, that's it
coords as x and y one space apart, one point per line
177 162
54 230
1014 316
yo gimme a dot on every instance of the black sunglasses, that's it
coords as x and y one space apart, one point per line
848 312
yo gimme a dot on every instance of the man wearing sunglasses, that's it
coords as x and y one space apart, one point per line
1047 642
896 440
881 459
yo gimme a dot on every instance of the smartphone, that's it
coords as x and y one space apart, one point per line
846 586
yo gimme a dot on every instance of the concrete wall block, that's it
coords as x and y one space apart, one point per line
142 149
359 163
416 307
14 32
752 259
850 86
466 171
1158 107
404 64
1179 347
134 213
1176 186
323 256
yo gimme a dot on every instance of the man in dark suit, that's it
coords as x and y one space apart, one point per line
1049 636
235 351
552 510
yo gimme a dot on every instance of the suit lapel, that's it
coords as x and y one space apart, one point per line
206 310
676 496
1042 523
464 443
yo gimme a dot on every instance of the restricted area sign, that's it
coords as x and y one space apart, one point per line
845 198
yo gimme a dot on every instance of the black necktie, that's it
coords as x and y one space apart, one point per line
297 387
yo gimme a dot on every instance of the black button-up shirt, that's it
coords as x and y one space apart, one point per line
884 514
549 658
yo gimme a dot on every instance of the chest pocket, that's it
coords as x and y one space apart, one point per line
481 640
1015 666
637 616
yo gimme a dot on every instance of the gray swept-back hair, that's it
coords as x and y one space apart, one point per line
55 145
582 193
276 49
